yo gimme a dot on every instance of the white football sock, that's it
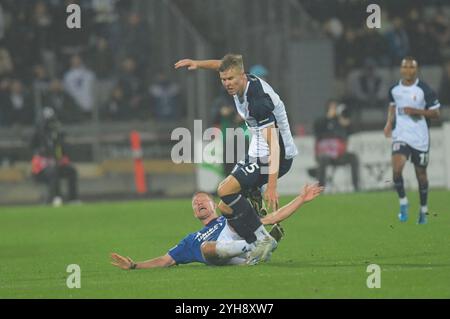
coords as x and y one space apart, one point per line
261 232
232 248
404 201
424 209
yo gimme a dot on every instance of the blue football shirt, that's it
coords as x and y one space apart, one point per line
188 249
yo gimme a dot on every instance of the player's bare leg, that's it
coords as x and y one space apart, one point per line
398 163
422 179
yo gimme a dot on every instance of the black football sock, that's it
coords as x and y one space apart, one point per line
423 192
399 187
244 219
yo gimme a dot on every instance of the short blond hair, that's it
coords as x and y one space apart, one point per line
202 192
232 61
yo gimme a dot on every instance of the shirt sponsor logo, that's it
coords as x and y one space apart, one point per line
202 237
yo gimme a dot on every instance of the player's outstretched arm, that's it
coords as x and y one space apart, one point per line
198 64
126 263
308 193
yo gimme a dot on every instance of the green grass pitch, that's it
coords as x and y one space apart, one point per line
328 245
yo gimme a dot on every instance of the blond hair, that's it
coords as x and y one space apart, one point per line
232 61
202 192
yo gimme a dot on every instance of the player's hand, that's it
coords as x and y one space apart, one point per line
121 262
388 130
311 191
414 113
410 111
271 196
190 64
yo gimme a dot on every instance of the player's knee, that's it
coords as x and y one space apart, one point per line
222 190
225 188
222 183
229 186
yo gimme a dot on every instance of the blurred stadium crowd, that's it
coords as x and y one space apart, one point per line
107 62
115 74
418 28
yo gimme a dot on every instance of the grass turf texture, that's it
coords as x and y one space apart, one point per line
325 253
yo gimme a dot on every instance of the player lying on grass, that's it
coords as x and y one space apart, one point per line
217 243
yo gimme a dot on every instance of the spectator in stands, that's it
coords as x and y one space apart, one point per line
101 61
165 98
20 41
50 162
398 40
41 79
332 134
424 45
347 56
2 22
136 40
42 21
367 89
132 87
374 47
104 17
65 107
6 63
116 108
79 83
444 90
4 110
440 30
334 28
19 105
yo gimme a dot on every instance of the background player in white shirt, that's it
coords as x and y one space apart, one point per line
412 105
265 115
